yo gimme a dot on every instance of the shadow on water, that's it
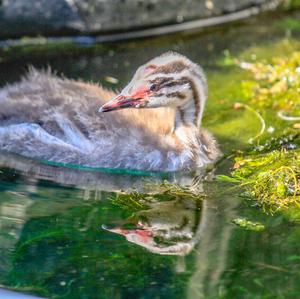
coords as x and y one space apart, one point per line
67 233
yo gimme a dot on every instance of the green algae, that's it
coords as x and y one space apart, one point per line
272 178
248 225
137 201
270 169
274 85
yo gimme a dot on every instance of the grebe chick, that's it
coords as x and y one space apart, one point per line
51 118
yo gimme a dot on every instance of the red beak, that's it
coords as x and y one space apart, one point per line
120 102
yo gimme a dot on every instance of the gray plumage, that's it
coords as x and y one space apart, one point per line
51 118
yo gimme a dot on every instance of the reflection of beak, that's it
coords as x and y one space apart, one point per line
139 236
137 100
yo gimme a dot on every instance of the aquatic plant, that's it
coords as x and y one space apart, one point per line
136 201
276 85
289 140
270 169
248 225
273 179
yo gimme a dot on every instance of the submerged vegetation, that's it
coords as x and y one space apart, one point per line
248 225
135 201
276 85
270 169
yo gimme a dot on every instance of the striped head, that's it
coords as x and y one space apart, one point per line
169 80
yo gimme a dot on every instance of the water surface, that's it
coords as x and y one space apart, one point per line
66 233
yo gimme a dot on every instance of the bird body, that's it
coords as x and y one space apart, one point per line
56 119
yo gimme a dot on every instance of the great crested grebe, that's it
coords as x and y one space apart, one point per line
51 118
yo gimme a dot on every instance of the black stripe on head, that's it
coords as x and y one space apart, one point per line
176 94
161 80
170 95
166 83
175 83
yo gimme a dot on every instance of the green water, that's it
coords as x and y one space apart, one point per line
56 224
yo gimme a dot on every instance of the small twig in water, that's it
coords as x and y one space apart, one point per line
272 267
281 115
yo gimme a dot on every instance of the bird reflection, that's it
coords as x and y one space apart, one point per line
109 180
167 227
184 222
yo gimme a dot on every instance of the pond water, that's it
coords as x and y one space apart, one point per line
66 233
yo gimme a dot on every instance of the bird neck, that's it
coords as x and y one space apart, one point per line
186 126
187 116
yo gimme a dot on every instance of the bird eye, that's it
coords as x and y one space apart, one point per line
154 87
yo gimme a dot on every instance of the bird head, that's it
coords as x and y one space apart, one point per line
169 80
